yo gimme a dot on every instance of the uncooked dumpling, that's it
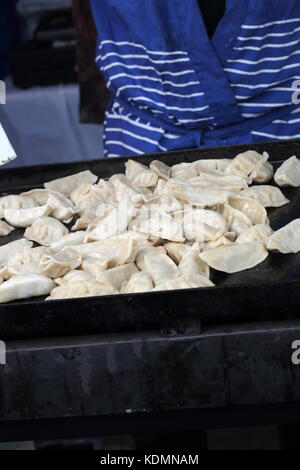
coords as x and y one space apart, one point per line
196 221
25 217
185 282
116 276
266 195
288 174
46 231
162 170
26 262
250 207
24 287
5 229
164 226
96 264
262 173
225 182
139 282
68 240
244 163
191 263
58 264
176 250
61 207
234 258
118 251
15 202
67 184
286 239
11 249
79 288
195 194
113 224
76 275
160 267
140 175
260 232
238 222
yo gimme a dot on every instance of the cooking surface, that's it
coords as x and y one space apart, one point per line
269 291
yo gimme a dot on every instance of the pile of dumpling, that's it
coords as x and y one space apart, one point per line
152 228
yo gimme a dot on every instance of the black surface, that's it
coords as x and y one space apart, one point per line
128 378
271 291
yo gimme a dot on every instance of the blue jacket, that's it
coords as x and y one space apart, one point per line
173 87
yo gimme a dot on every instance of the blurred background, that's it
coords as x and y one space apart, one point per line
55 97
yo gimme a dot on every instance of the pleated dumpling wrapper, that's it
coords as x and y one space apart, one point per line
237 257
68 184
139 282
80 288
14 201
259 232
46 231
140 175
185 282
266 195
24 287
11 249
288 174
286 239
25 217
116 276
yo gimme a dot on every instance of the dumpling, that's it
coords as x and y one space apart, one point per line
58 264
116 276
88 204
184 171
113 224
5 229
165 203
263 172
67 184
164 226
266 195
185 282
196 221
288 174
26 262
25 217
227 239
211 165
238 222
107 190
286 239
234 258
15 202
61 206
141 239
176 250
162 170
250 207
160 267
118 251
11 249
82 190
139 282
191 263
245 163
75 275
226 182
140 175
24 287
260 232
194 194
95 264
79 288
68 240
46 231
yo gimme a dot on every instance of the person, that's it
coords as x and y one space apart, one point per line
180 81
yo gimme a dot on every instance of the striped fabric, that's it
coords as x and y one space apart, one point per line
182 90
